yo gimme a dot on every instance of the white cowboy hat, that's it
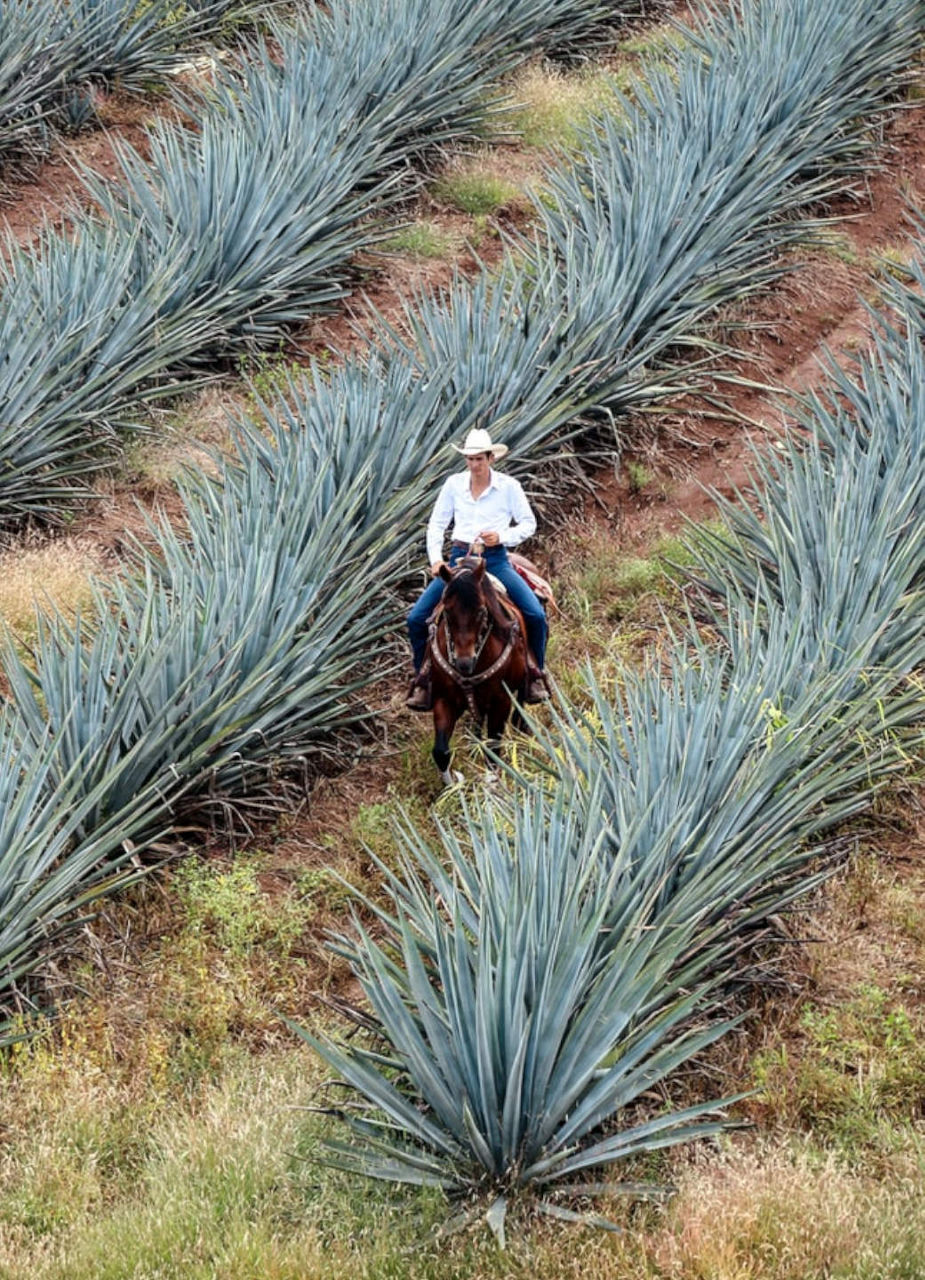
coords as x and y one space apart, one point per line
479 441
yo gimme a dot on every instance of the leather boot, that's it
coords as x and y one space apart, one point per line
536 690
419 696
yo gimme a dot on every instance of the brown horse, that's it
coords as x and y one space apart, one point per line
478 654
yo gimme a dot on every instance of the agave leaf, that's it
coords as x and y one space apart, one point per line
388 1166
564 1214
495 1217
652 1136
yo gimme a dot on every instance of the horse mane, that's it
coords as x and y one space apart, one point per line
499 615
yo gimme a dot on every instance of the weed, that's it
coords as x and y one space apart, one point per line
270 373
372 826
904 906
860 1077
228 905
474 191
421 240
786 1214
658 42
166 441
321 890
554 106
836 244
637 476
863 885
892 262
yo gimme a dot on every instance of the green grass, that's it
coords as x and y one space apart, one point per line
421 240
477 192
602 584
657 43
859 1079
638 476
838 245
228 1184
553 106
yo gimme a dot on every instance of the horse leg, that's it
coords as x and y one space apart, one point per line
496 718
518 723
444 724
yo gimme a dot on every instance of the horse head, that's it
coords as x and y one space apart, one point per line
466 611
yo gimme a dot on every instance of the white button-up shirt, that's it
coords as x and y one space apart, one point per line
503 509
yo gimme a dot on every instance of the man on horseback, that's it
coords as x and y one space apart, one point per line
486 506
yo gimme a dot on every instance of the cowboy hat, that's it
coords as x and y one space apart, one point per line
479 441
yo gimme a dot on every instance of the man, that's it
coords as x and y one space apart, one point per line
481 504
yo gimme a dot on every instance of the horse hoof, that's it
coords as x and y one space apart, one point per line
451 778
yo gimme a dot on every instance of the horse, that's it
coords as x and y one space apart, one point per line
478 653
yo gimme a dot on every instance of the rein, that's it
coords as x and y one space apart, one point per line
468 683
483 633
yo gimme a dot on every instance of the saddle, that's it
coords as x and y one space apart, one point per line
539 585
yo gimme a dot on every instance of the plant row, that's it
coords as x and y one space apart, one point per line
245 640
244 223
54 52
562 951
167 687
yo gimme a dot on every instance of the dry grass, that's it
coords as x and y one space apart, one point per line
767 1212
227 1184
184 436
553 105
53 577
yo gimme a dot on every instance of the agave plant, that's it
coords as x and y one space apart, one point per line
834 552
685 202
625 271
116 42
508 1051
81 335
29 75
228 250
521 996
236 230
225 658
49 50
50 868
715 789
508 352
227 650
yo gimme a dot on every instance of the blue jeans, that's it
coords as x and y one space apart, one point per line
497 563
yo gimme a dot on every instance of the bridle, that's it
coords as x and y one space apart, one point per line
448 664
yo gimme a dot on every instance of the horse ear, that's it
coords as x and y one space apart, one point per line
480 570
445 573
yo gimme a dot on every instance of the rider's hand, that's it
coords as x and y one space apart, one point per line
490 539
436 567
